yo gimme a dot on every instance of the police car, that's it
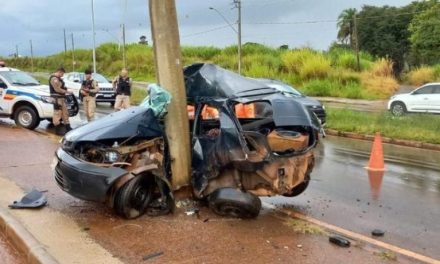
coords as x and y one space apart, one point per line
25 100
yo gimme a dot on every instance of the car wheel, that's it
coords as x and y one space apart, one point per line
112 104
398 109
234 203
300 188
133 198
26 116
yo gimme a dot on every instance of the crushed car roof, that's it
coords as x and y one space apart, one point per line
209 80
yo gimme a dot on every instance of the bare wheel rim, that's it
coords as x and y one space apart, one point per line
25 118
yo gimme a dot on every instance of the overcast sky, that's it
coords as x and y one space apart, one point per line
43 21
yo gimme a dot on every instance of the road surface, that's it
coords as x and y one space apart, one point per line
404 202
25 159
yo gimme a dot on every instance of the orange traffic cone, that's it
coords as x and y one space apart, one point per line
375 178
376 162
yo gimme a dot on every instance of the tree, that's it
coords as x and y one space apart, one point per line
384 31
425 35
346 26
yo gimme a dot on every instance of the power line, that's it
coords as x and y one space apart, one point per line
206 31
326 21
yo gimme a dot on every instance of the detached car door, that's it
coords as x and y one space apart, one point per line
420 100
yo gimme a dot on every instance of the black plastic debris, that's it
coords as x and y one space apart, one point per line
340 241
153 255
378 233
34 199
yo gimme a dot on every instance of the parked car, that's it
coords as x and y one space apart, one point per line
425 99
122 159
314 105
25 100
106 92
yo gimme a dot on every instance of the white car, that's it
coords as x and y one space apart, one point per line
25 100
425 99
73 81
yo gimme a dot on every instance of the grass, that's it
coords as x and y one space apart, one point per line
303 227
386 255
418 127
422 75
138 95
319 73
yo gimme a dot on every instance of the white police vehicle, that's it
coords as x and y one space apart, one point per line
25 100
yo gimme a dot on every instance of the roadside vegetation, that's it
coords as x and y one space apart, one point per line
418 127
316 73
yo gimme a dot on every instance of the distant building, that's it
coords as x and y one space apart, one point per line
143 40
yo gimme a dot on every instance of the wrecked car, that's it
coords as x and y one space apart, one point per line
248 140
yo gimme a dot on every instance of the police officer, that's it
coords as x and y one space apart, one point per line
122 85
89 88
58 91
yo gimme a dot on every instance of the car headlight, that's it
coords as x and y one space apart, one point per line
112 156
47 99
323 107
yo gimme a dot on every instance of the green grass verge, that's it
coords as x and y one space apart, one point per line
418 127
138 95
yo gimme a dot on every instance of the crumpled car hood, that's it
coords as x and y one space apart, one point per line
209 80
135 121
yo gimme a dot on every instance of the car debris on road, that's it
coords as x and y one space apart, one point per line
33 199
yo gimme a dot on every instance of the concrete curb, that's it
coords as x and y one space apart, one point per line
23 240
401 142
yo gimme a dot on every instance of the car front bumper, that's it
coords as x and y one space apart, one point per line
105 97
84 180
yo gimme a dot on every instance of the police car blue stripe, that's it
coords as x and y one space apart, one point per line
21 93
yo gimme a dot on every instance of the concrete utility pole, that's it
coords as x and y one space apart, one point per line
124 58
65 41
124 16
16 51
238 5
169 74
73 52
94 42
358 63
32 56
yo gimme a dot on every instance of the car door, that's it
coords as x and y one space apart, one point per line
435 99
420 100
4 104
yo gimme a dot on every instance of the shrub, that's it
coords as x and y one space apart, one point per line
316 67
202 53
379 86
382 67
421 75
307 63
294 60
345 76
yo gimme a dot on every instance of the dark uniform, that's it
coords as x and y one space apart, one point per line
89 88
123 92
58 91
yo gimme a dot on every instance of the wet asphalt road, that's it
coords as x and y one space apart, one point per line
25 159
405 202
